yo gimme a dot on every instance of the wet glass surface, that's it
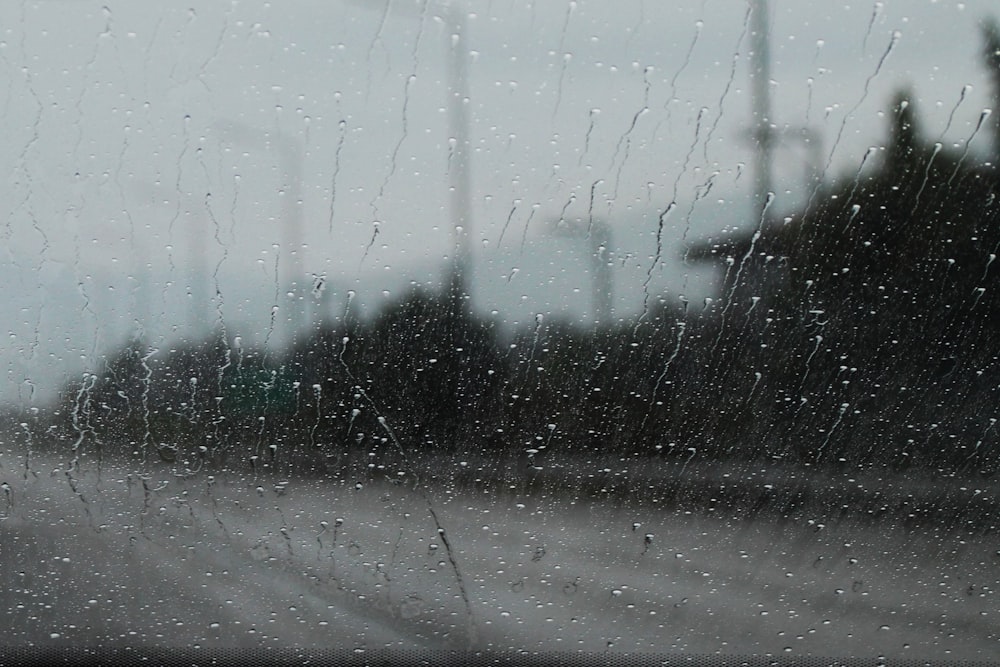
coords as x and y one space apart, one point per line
599 328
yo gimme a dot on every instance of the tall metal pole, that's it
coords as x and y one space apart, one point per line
991 59
289 157
760 81
603 285
198 287
190 210
460 207
597 234
458 162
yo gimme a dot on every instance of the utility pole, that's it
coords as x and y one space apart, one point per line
991 59
597 233
458 164
766 137
190 212
289 157
603 287
460 209
760 81
459 189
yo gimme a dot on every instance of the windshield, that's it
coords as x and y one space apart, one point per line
629 328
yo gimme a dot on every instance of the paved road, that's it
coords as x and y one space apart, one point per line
250 563
100 572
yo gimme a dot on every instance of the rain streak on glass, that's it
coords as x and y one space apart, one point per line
630 327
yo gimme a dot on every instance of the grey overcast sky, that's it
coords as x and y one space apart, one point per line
152 150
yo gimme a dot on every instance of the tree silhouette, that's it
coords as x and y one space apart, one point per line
883 304
864 330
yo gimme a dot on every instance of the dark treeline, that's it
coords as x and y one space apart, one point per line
863 331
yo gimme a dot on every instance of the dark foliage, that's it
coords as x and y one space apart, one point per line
863 332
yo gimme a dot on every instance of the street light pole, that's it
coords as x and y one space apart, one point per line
458 165
191 210
459 188
289 155
760 81
597 233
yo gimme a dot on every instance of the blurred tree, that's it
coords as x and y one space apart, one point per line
885 288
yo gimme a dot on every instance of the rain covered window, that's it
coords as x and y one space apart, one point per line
639 327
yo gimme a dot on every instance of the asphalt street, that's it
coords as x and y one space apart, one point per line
111 558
